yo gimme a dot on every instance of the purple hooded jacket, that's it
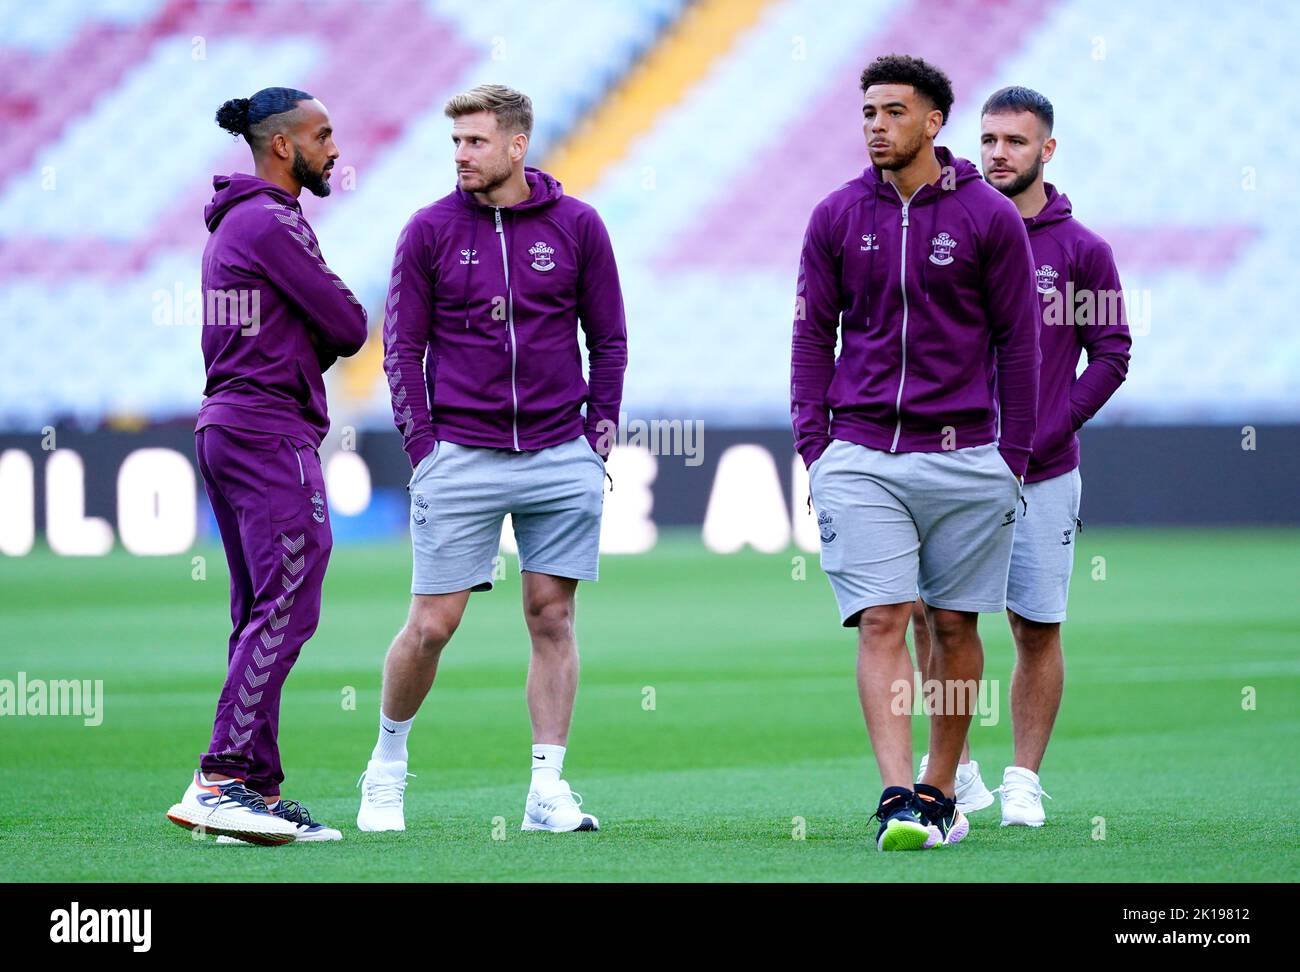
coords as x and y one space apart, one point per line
935 307
481 332
275 317
1073 261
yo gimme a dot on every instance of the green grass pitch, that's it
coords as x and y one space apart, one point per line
755 723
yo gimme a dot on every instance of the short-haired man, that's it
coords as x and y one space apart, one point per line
490 286
924 273
1072 264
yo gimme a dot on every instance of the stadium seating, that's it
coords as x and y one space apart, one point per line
106 127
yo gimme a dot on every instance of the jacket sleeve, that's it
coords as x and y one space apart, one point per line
812 347
286 251
1106 339
601 316
1012 307
408 335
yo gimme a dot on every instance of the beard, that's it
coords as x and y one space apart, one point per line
310 179
904 154
1021 182
491 178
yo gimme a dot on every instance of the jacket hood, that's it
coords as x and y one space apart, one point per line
235 188
873 178
545 191
1057 209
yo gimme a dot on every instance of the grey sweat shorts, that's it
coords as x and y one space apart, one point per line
1042 557
895 525
460 496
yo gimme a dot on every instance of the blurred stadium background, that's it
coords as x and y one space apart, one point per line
703 132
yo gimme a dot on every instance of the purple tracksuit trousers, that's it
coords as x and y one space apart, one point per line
268 497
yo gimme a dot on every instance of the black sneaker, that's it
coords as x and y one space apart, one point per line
946 824
901 824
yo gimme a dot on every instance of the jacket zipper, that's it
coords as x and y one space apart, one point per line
510 329
902 374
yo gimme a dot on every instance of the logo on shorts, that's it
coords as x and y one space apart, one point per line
943 245
421 504
1069 535
826 523
1009 517
1046 279
318 507
541 254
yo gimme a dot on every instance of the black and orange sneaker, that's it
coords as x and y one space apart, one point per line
945 823
901 825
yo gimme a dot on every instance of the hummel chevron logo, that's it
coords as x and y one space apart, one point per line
270 640
284 602
239 739
291 586
243 718
293 546
249 700
276 623
255 680
293 566
263 660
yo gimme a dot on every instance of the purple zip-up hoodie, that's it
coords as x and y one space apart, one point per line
481 328
275 317
935 306
1073 260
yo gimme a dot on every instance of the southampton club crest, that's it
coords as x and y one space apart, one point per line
826 523
541 254
318 507
420 504
941 254
1046 279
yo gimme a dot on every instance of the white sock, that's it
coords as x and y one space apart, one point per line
391 747
203 780
548 763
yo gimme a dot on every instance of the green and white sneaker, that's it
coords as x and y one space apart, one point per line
901 825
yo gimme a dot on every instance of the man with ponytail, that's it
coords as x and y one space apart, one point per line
275 318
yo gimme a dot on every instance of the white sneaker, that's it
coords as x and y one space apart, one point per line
1022 798
970 791
382 787
230 809
300 817
556 809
